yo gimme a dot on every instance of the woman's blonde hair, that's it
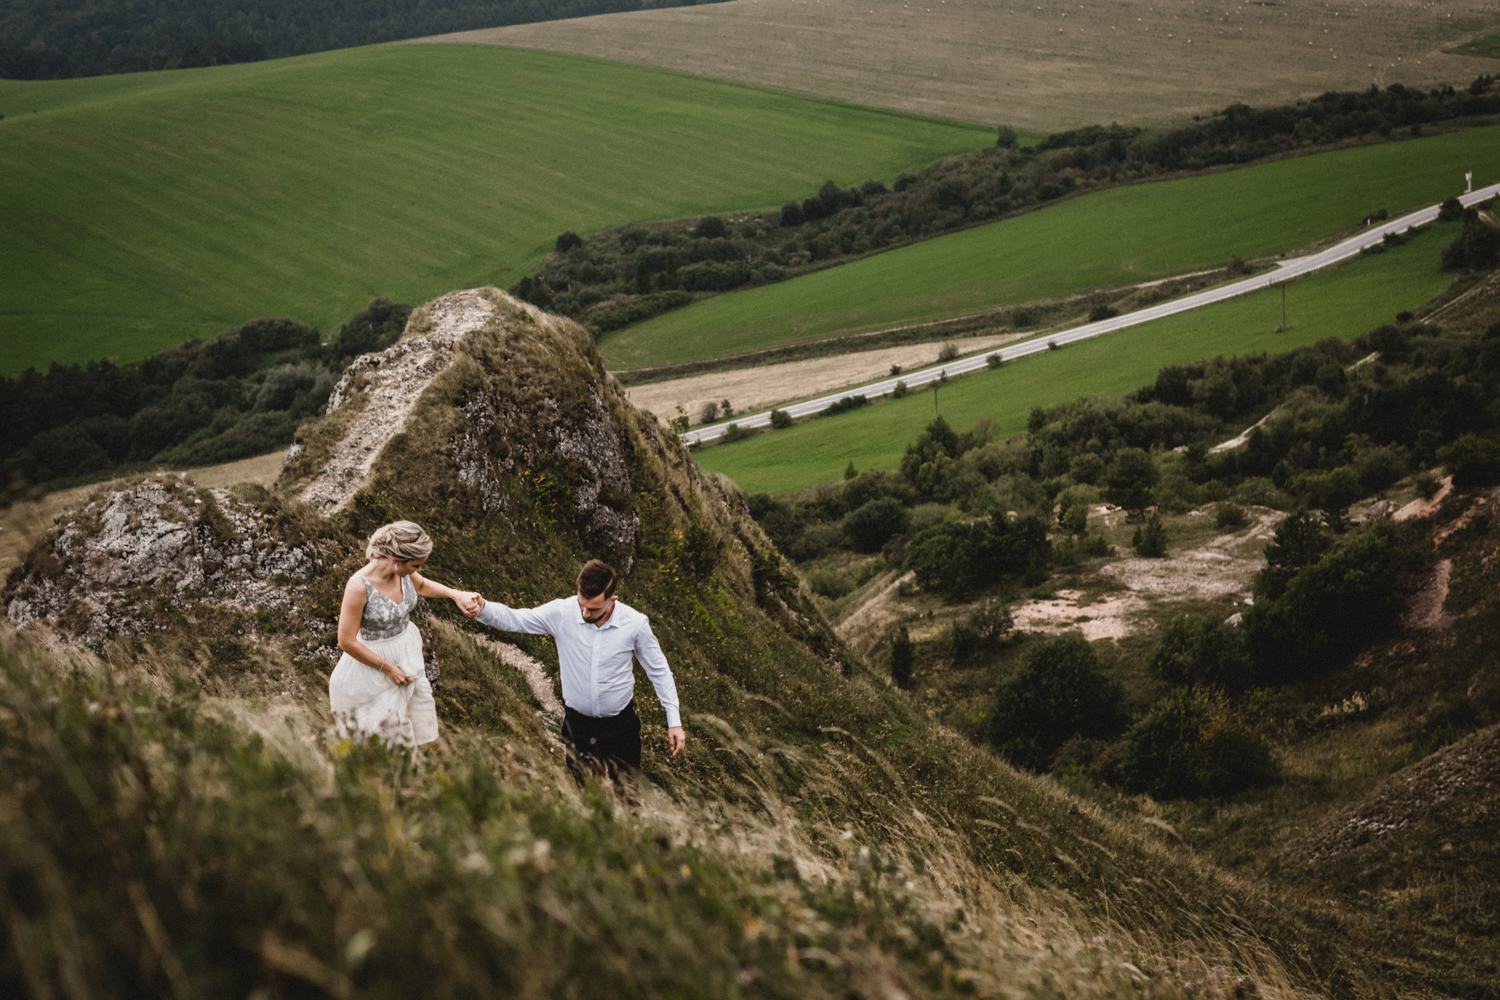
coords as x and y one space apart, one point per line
402 541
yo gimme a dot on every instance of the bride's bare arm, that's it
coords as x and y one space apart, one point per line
468 602
351 612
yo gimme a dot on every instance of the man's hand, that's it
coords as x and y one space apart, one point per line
676 739
469 603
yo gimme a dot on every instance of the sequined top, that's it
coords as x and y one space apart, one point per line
383 617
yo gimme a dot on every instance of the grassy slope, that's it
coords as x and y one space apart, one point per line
1104 240
144 209
1339 303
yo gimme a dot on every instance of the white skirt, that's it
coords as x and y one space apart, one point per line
365 703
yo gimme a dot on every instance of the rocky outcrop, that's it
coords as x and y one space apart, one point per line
111 567
392 381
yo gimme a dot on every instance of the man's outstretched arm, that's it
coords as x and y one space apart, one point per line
531 621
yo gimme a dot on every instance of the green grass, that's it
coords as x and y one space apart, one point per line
1344 302
144 209
1104 240
1489 46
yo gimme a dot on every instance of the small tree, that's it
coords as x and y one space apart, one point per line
780 419
1006 137
899 391
1451 210
709 413
1101 312
850 472
1130 480
993 360
726 409
1150 539
1197 649
567 241
1299 542
872 524
791 215
711 227
903 657
1191 744
947 352
1058 691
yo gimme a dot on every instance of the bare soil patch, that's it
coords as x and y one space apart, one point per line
758 388
1050 67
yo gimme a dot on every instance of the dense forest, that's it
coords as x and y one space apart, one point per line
239 394
630 273
55 39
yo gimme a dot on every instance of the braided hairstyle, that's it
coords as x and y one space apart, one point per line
402 541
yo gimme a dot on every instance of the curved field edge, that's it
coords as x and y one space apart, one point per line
1343 302
146 209
1106 239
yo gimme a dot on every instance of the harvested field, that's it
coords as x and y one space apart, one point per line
758 388
1044 67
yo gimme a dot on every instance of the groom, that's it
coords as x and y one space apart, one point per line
596 636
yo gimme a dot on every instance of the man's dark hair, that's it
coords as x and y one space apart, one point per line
596 578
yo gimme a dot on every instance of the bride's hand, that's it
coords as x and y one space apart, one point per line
469 603
394 674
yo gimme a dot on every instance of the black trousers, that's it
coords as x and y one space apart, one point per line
602 746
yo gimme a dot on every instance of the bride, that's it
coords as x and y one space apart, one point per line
380 686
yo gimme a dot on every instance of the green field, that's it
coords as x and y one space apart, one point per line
1344 302
1103 240
144 209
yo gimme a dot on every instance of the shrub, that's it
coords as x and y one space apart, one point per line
830 584
1476 248
1006 137
780 419
1150 540
1425 483
734 432
709 413
567 241
956 556
844 405
872 525
1329 608
1190 744
791 215
904 181
1451 210
1101 312
899 391
1059 691
1472 460
993 361
947 352
1229 515
903 657
711 227
1197 649
1130 480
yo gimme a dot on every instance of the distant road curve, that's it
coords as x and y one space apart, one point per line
1285 271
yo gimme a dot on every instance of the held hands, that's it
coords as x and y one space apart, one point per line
469 602
676 739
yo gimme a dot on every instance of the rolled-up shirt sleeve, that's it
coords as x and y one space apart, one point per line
531 621
652 660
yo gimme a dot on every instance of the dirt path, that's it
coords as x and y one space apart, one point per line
758 388
21 525
530 669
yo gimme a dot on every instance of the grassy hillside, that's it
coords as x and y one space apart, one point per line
142 210
1043 67
1102 240
820 837
1340 303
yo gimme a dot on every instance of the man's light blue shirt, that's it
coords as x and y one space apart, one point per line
595 660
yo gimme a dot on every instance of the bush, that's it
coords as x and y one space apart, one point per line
1006 137
1229 515
791 215
947 352
1451 210
903 657
1059 691
1101 312
956 556
844 405
993 361
1150 540
1426 484
872 525
1199 650
711 227
709 413
780 419
1329 609
1472 460
1477 248
899 391
1190 745
734 432
567 241
1130 480
830 584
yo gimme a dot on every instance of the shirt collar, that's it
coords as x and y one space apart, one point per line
614 618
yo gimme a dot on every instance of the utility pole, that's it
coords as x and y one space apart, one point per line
1283 308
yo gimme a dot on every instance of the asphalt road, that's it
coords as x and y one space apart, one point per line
1285 271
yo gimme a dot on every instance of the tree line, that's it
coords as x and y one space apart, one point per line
42 40
236 395
633 272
